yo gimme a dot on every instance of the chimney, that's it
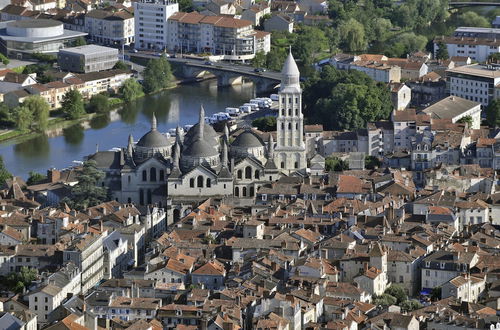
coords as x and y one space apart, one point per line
101 227
365 266
53 175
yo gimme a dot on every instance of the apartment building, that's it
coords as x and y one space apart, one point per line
232 39
474 82
86 252
114 28
88 58
151 28
54 291
476 43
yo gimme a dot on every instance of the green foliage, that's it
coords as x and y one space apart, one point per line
99 103
35 178
4 174
309 42
39 109
42 71
494 58
410 305
80 41
471 18
442 52
436 293
265 124
186 5
371 162
493 113
466 119
72 104
345 99
385 300
157 75
17 282
336 164
6 118
45 57
407 43
23 117
4 59
398 292
131 90
259 61
352 36
120 65
86 192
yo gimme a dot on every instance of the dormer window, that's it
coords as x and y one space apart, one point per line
441 265
426 147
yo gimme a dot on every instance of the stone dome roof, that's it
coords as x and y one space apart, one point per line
208 133
153 139
247 139
200 148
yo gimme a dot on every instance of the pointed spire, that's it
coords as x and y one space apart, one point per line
270 146
177 154
224 153
130 146
178 135
226 132
154 124
201 122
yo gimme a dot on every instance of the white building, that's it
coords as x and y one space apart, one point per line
456 108
474 82
464 287
116 255
151 28
110 27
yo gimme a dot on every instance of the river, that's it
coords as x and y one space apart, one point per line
178 106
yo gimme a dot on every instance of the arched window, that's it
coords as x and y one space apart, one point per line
129 200
200 181
282 125
237 191
141 196
257 175
289 125
296 165
297 112
149 197
282 164
297 126
191 183
209 183
152 174
289 112
162 175
252 191
240 174
244 193
144 175
248 172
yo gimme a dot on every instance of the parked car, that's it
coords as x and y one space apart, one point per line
209 63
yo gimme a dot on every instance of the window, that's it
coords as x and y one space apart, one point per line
200 182
141 196
144 175
239 174
257 175
152 174
209 183
191 183
237 191
248 172
162 175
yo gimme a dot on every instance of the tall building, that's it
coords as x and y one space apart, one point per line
151 28
290 151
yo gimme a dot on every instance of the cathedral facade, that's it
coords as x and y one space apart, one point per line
202 163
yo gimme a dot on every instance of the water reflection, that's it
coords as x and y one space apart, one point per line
99 122
129 112
37 147
74 135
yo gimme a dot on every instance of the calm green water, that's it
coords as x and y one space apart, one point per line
174 107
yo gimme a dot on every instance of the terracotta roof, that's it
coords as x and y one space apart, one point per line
212 267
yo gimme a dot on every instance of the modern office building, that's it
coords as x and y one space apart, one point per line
20 39
88 58
151 28
475 82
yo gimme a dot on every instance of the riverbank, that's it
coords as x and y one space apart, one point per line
59 123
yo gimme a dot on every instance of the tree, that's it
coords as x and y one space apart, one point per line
131 90
308 43
259 61
407 43
371 162
157 75
4 174
442 51
385 300
35 178
352 36
410 305
265 124
186 6
80 41
466 119
398 292
18 281
4 59
494 58
99 103
120 66
493 113
40 109
436 293
336 164
72 104
23 117
471 18
87 193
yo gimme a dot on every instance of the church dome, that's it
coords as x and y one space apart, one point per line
208 133
247 139
200 148
153 139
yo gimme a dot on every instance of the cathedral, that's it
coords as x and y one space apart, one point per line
202 163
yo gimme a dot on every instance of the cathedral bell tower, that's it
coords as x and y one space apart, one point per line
290 151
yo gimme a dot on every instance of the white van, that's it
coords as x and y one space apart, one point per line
221 116
233 111
253 106
245 109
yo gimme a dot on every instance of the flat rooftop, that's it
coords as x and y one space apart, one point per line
88 50
34 23
492 72
450 107
67 34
